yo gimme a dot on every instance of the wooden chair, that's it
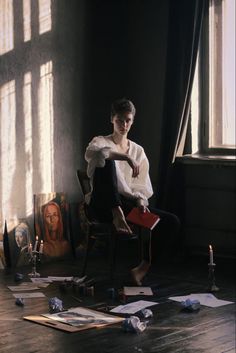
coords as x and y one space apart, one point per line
97 230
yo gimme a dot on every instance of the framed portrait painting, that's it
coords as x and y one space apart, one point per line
51 224
19 236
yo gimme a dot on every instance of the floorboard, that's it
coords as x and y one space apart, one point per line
210 330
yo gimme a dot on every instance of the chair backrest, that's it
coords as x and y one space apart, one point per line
84 181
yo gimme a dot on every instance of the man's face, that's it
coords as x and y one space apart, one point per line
122 123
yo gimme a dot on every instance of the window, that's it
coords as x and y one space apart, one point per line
213 127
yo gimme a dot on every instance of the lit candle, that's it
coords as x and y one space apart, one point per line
36 243
30 249
41 247
211 255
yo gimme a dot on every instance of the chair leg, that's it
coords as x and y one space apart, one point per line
113 250
89 245
140 242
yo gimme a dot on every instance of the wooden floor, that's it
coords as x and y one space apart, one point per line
171 330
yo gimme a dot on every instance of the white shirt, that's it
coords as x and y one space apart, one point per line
139 187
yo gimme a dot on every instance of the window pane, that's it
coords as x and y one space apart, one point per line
228 68
222 74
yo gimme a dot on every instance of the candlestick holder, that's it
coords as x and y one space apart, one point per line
35 257
211 277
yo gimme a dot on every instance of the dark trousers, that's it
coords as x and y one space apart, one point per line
105 197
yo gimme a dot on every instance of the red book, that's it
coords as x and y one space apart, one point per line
143 219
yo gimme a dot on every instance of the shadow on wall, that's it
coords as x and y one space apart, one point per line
29 69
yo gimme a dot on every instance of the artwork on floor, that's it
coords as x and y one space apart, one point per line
51 224
84 318
19 237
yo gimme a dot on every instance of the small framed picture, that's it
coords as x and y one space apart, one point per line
20 238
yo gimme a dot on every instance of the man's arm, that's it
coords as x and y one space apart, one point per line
125 157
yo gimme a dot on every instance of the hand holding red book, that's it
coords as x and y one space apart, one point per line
143 219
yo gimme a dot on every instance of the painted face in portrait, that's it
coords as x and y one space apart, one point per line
21 235
53 222
52 218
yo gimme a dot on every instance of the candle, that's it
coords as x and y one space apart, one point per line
30 249
41 247
211 255
36 243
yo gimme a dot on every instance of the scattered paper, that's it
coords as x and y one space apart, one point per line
41 280
42 285
133 308
29 295
79 280
83 317
57 278
207 299
138 291
23 287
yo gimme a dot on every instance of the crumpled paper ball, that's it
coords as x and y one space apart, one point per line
146 313
55 305
18 277
19 302
133 324
191 304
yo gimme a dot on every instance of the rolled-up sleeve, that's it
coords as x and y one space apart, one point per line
96 154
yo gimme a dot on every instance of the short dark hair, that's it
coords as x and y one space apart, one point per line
122 106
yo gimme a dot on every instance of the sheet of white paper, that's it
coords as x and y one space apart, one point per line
138 291
29 295
179 298
42 285
41 280
58 278
133 308
23 286
207 299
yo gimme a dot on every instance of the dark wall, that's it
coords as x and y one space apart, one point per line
127 54
126 51
210 207
204 198
71 31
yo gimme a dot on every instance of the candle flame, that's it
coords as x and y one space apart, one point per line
210 247
37 238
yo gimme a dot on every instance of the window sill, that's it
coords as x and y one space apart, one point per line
207 159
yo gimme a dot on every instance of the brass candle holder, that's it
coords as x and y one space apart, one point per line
35 257
211 277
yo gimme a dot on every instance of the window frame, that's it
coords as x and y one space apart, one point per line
204 95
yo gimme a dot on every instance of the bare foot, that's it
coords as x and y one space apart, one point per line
119 221
139 272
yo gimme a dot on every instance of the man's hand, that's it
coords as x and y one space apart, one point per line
134 166
141 205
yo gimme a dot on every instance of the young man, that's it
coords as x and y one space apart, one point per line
119 173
